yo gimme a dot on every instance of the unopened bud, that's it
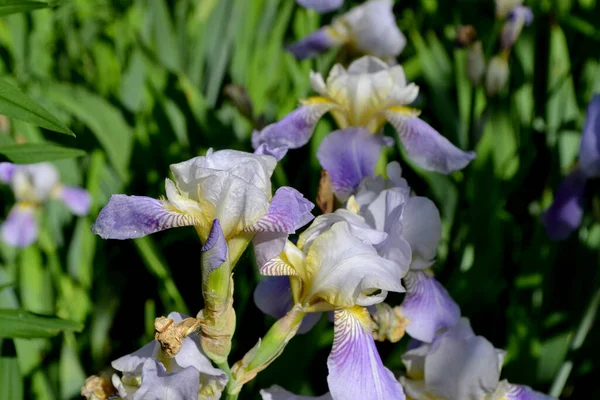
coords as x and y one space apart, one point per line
465 35
475 63
503 7
497 75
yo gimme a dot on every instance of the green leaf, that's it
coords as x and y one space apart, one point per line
23 324
10 375
37 152
16 104
16 6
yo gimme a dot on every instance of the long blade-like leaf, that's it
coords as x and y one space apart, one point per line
23 324
16 6
30 153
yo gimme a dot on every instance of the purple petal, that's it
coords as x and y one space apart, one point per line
349 155
20 228
130 217
273 296
78 200
516 19
289 210
157 383
133 363
214 251
522 392
565 213
312 45
7 171
428 306
355 368
277 393
293 131
321 5
589 151
267 246
426 147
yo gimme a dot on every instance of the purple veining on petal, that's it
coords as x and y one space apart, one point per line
291 132
428 306
7 171
214 251
522 392
321 5
130 217
426 147
288 211
564 215
589 150
349 156
355 368
78 200
312 45
20 227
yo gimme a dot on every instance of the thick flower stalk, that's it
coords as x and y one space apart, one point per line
366 29
173 363
367 95
341 272
226 196
33 185
565 214
460 365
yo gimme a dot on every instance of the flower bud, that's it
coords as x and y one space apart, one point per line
475 63
503 7
497 75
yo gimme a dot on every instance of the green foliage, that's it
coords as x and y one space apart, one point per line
23 324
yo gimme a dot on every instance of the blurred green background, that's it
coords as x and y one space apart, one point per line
148 83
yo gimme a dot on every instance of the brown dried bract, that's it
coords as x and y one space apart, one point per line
171 335
465 35
325 195
98 388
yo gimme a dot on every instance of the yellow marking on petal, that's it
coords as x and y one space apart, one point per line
362 315
341 118
408 111
316 100
352 205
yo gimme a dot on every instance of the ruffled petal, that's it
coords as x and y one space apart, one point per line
426 147
422 228
321 5
78 200
589 151
355 368
158 384
293 131
20 227
289 210
278 393
564 215
428 306
314 44
130 217
349 156
345 271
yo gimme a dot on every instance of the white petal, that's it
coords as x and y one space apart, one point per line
422 228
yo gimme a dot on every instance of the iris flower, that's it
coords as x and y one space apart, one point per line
33 185
460 365
565 214
340 272
368 94
321 5
367 29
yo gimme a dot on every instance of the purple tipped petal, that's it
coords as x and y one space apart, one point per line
349 155
355 368
517 18
77 199
426 147
321 5
20 228
214 251
7 171
565 213
273 296
589 151
428 306
312 45
289 210
293 131
157 383
130 217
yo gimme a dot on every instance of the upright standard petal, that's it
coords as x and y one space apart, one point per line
288 211
426 147
130 217
321 5
589 151
20 228
314 44
345 271
422 228
349 156
158 384
34 182
355 368
428 306
293 131
77 199
7 171
278 393
564 215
